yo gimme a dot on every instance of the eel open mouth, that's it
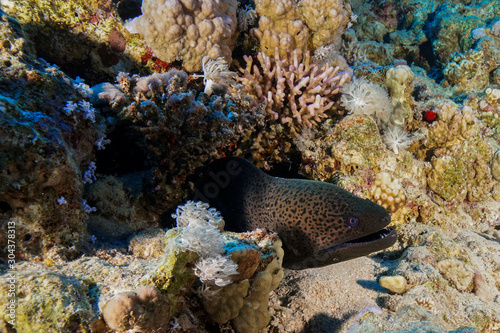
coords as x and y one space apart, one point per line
376 241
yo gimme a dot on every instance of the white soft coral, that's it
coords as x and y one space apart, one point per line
215 72
201 228
363 97
201 233
397 139
198 212
217 270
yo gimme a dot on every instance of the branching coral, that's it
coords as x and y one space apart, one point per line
296 92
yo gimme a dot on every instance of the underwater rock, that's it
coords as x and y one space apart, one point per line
51 302
396 284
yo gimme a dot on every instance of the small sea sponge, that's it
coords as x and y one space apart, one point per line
388 192
457 273
397 283
247 258
398 80
143 309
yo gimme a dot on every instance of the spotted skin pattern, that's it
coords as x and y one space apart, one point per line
319 223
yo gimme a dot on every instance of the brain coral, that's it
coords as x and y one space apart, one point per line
187 30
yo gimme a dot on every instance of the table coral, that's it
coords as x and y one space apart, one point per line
188 30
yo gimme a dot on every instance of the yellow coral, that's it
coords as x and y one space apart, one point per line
297 25
224 304
246 302
388 192
254 315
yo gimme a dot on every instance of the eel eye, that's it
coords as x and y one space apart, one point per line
352 222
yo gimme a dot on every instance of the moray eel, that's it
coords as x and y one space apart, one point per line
319 223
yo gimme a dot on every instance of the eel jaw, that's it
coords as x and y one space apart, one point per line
369 243
348 250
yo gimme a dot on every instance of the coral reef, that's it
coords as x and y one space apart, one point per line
45 195
427 34
289 25
50 302
97 152
171 130
188 30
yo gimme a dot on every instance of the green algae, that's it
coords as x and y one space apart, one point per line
51 302
174 271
